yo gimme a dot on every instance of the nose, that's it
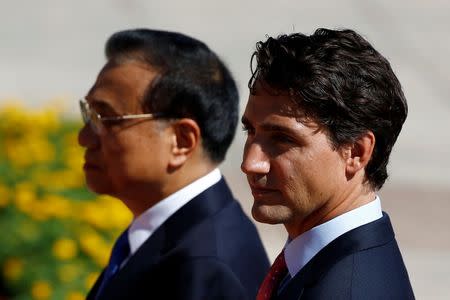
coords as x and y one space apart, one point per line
87 138
254 161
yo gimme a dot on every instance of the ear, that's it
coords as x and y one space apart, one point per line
358 154
185 140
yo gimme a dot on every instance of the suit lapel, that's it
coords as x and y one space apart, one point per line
196 211
94 289
371 235
167 236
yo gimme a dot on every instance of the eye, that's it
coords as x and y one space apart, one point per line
282 138
248 129
111 121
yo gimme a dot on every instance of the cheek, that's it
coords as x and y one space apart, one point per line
114 151
288 175
137 155
121 155
112 140
331 167
299 177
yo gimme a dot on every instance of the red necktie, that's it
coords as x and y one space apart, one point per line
277 272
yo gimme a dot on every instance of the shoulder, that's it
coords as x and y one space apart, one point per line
374 273
224 249
230 237
381 269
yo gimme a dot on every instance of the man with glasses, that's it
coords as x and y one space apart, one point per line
158 121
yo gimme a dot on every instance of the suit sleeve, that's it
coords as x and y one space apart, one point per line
205 278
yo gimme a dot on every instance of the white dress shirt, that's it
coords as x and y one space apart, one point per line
145 225
303 248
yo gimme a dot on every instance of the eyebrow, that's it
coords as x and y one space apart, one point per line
245 121
279 128
104 106
274 127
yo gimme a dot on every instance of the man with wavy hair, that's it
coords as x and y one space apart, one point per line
323 115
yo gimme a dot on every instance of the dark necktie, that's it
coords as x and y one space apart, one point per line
276 273
119 253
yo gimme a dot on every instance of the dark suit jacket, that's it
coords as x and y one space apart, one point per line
208 249
364 263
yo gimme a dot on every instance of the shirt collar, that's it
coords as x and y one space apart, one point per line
145 225
303 248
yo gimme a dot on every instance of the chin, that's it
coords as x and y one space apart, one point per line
268 214
98 189
97 186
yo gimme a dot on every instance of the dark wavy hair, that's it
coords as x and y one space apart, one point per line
192 82
341 82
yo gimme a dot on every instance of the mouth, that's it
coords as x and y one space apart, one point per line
259 192
90 162
90 167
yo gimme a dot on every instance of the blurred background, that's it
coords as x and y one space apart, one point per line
56 235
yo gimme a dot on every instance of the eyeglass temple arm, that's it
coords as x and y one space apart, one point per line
125 117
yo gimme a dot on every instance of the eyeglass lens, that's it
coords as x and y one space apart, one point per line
89 116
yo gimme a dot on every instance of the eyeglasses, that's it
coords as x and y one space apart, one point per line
95 120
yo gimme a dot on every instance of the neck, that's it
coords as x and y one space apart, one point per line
332 208
145 195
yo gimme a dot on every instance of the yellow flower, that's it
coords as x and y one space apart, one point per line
65 249
119 215
56 206
64 179
3 201
71 144
40 149
94 246
91 279
41 290
93 214
4 196
13 268
25 195
15 154
31 148
46 120
75 296
19 119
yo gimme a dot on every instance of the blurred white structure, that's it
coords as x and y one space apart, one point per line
55 48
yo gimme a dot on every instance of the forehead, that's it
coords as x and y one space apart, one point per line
265 102
271 110
121 86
